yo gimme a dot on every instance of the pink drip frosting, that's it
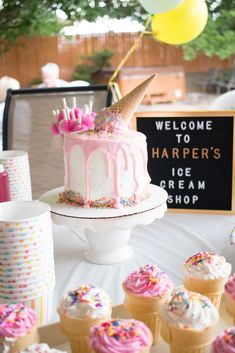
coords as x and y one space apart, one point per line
110 145
230 287
120 336
225 342
16 320
149 281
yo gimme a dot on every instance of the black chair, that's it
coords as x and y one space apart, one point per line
226 86
27 124
208 80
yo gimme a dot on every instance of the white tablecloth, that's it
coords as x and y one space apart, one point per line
167 242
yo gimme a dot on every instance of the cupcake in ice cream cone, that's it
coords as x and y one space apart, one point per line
80 309
225 342
207 273
18 328
127 336
229 295
145 290
188 322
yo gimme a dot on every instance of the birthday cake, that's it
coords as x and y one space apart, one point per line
105 160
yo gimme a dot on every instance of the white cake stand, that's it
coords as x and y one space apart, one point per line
107 231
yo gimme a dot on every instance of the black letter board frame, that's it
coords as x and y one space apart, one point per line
191 154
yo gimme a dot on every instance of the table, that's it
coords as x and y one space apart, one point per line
167 242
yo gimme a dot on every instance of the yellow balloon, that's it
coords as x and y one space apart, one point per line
181 24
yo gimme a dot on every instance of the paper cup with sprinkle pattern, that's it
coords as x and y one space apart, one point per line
16 163
26 256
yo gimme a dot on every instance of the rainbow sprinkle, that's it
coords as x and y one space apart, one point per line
84 294
180 298
229 336
152 274
200 258
16 320
225 341
75 199
120 330
110 121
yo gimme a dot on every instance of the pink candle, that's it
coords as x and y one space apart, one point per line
4 185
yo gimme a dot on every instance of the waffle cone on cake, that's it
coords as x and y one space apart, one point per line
145 309
23 342
127 105
77 332
211 288
187 341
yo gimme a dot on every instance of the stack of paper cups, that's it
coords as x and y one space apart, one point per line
16 163
26 256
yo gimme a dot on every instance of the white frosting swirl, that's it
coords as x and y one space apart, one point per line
41 348
189 310
207 265
86 301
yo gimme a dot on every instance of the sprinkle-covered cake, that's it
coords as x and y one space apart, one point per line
105 160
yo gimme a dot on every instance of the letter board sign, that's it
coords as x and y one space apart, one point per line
191 155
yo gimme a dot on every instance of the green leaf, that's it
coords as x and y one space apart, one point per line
27 18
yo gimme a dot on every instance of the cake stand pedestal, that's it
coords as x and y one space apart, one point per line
107 231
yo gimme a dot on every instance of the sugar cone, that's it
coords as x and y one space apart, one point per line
212 289
128 104
78 331
23 342
187 340
230 306
145 309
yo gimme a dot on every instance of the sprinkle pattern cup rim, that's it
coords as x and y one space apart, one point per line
38 209
12 154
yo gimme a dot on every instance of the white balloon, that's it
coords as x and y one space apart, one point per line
159 6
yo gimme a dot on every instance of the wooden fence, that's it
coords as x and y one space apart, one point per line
23 62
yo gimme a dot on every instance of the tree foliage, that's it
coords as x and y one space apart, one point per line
92 65
22 18
218 38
